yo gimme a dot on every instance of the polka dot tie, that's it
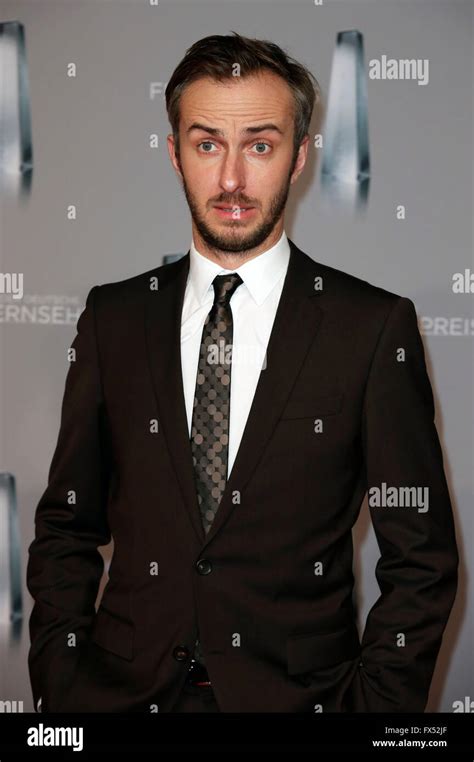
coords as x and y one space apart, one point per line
210 424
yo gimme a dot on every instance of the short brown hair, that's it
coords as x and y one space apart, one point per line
216 55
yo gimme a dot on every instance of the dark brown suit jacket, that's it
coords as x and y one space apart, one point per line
270 588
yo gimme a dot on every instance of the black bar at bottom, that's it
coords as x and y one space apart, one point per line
436 735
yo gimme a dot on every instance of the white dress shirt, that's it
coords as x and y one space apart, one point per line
254 305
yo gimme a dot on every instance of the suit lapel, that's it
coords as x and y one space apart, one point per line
163 335
296 323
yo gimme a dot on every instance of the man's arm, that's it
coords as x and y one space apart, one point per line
417 570
64 566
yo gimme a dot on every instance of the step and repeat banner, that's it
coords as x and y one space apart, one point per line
89 196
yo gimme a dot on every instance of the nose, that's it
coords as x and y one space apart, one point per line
232 177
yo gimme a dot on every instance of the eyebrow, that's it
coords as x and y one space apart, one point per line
244 131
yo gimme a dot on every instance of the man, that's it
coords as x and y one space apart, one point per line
222 420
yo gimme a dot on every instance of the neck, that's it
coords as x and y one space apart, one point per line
232 260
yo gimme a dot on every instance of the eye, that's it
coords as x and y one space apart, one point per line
210 143
260 143
206 143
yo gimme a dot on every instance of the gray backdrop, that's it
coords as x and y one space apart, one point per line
90 142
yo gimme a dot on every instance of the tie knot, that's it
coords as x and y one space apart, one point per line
224 287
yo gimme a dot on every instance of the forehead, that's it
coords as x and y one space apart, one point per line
262 96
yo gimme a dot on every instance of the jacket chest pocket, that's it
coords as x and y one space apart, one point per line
300 433
305 421
318 406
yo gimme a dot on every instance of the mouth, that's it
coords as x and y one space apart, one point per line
234 212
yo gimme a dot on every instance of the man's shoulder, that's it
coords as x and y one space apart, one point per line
345 290
134 289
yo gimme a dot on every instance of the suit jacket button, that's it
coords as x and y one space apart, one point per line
204 566
181 653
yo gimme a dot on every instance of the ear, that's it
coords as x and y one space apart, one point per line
301 159
173 155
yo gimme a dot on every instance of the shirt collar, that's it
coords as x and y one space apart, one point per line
259 274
